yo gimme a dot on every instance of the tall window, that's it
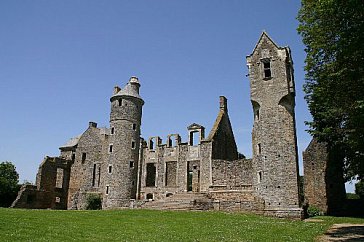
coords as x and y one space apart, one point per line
267 68
83 157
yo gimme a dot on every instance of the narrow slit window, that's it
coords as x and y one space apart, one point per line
120 102
259 149
131 164
110 169
134 126
83 157
112 130
110 148
133 144
107 190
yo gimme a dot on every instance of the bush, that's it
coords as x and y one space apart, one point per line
352 196
93 202
313 211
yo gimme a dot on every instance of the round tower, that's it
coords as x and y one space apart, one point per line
123 149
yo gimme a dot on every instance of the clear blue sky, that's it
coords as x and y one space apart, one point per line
59 61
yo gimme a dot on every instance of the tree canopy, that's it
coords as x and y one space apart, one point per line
333 33
9 187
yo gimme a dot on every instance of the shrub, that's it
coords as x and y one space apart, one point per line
352 196
93 202
313 211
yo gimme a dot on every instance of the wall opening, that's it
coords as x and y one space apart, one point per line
93 175
59 178
256 110
131 164
189 181
151 144
194 138
151 174
110 148
112 130
133 144
120 102
134 126
259 146
267 68
171 173
107 190
260 176
99 176
149 196
110 169
83 158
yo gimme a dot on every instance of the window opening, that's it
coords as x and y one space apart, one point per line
131 164
83 157
120 101
189 181
151 174
93 175
110 169
110 148
99 176
112 130
259 149
134 126
267 69
194 138
259 177
59 179
107 190
133 144
151 144
150 196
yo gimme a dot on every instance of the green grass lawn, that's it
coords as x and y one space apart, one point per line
146 225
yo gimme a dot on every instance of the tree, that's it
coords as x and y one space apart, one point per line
9 187
359 189
332 31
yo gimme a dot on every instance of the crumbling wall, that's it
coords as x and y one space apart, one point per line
51 186
323 181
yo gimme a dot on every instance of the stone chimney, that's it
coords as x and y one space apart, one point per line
223 103
92 124
116 89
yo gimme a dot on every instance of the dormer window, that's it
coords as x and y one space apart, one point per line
267 69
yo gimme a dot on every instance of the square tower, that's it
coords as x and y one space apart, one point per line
275 160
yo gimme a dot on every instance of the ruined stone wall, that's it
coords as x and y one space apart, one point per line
323 181
275 160
51 188
86 171
175 165
231 175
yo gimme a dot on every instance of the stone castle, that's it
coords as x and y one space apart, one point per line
205 173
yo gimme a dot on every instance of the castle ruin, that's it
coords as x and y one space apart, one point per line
205 173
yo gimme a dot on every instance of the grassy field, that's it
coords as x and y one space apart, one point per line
146 225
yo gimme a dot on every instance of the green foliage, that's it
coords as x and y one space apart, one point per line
313 211
352 196
147 225
332 31
93 201
359 189
9 187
